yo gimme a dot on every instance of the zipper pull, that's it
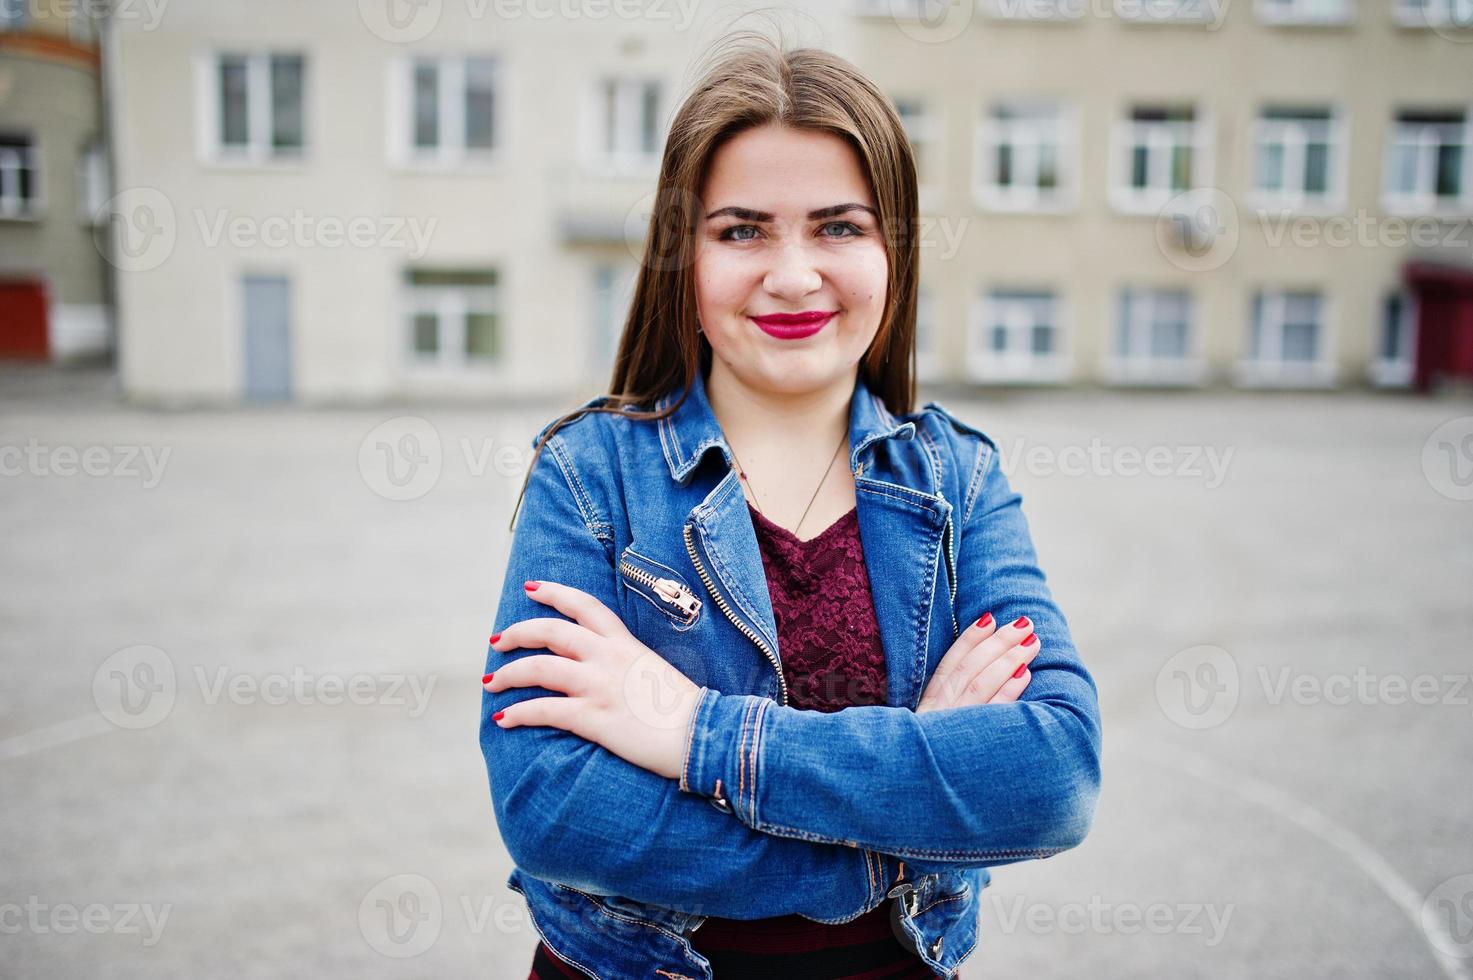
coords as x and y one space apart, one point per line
679 595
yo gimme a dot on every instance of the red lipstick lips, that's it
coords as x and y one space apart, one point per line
793 326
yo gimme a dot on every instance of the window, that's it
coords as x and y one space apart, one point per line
925 11
613 291
1286 339
1159 152
453 109
1427 165
1168 12
20 190
922 130
1434 13
928 350
1016 337
1304 11
256 108
1396 351
1155 339
1297 157
454 318
1023 154
627 124
92 182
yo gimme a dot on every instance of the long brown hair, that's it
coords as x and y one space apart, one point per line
751 81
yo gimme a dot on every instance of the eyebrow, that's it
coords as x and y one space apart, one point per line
750 214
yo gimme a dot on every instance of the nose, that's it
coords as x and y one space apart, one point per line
792 274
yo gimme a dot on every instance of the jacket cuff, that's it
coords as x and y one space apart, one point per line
721 750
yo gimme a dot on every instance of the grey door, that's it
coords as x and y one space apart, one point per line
268 338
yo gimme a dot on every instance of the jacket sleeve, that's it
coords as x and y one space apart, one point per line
570 811
972 786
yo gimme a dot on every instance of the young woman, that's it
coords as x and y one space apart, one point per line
776 676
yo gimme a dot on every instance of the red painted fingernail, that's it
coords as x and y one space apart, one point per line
986 618
487 678
497 716
530 586
495 637
1020 622
1029 640
1019 671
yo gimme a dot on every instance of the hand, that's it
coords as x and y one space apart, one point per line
985 665
620 693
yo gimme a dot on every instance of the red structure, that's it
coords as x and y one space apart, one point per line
1444 331
23 331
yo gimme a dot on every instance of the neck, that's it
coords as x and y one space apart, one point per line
782 424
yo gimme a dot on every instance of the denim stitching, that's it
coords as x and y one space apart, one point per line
733 585
690 735
911 852
974 485
584 503
762 707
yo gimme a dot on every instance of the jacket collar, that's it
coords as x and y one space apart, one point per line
688 432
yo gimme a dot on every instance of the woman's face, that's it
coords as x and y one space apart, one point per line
788 226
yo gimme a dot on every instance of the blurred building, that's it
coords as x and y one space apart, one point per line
54 283
328 202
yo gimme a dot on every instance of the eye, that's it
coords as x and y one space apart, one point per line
728 236
843 224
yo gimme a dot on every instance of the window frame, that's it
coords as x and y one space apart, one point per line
987 134
1127 199
28 157
1422 201
452 74
630 91
456 303
1297 201
1017 365
1117 368
1276 372
259 151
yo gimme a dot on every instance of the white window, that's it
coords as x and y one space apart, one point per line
928 345
923 130
1396 352
613 291
925 11
1298 157
1158 152
1024 157
447 110
1287 339
625 128
1156 339
1307 12
1434 13
254 106
20 177
1035 9
1427 162
454 319
1166 11
1016 336
92 182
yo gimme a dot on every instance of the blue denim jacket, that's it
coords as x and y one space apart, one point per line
781 810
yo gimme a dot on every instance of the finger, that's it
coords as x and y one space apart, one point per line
579 606
558 635
542 670
1013 689
984 685
980 656
960 647
554 711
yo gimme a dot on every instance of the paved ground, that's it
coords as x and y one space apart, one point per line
1275 805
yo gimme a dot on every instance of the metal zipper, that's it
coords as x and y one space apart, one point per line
721 604
674 593
951 561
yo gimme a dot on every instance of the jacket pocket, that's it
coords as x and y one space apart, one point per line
662 587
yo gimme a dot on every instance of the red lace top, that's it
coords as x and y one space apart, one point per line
832 658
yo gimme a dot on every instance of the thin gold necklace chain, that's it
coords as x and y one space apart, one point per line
742 473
